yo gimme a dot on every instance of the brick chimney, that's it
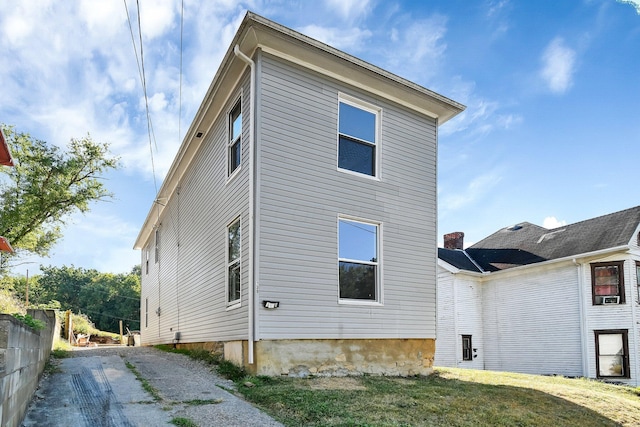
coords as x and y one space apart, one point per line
454 240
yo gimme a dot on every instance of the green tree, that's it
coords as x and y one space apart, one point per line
46 186
105 298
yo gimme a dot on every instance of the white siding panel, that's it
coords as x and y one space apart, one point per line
188 284
532 322
459 313
302 194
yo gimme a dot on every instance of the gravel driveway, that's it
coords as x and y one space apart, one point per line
95 388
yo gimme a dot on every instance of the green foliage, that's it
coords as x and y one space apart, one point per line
82 325
231 371
9 303
46 186
145 384
106 298
30 321
183 422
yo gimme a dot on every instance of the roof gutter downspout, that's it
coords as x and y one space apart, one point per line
583 318
252 251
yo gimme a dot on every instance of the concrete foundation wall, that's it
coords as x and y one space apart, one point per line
23 355
301 358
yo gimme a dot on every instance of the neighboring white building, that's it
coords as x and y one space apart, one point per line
296 227
528 299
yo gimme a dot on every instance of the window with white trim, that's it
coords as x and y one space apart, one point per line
146 312
157 245
638 279
358 137
358 260
612 353
233 262
146 260
234 152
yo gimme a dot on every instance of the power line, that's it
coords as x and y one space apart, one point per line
143 80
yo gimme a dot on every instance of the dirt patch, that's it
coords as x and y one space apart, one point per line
336 383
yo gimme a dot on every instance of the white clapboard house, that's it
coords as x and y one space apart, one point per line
296 227
560 301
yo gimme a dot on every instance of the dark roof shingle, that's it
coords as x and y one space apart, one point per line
528 243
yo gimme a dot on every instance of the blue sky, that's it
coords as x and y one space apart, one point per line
551 133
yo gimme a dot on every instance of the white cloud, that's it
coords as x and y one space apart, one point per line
341 38
482 115
553 222
558 67
474 191
419 44
349 8
634 3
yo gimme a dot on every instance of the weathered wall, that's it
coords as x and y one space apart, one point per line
23 355
300 358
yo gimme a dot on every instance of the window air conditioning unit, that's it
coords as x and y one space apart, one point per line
611 300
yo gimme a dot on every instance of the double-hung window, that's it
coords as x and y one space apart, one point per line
638 279
157 246
146 260
358 147
233 262
607 282
235 141
612 353
358 260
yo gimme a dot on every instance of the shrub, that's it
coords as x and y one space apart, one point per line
8 303
30 321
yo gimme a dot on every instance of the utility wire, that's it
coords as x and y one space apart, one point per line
143 80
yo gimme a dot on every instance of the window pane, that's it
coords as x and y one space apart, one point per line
234 241
607 275
357 281
610 344
611 366
356 156
236 123
234 282
234 156
358 241
357 123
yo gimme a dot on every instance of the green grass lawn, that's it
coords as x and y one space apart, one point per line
449 397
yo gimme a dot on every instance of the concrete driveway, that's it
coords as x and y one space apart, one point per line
96 388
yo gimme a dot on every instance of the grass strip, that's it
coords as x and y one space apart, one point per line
183 422
449 397
145 384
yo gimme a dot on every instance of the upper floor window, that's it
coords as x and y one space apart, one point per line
233 262
235 140
358 137
157 245
358 260
607 282
612 353
146 260
638 279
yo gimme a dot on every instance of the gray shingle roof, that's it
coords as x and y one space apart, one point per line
528 243
458 259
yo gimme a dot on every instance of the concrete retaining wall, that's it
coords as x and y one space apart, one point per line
23 355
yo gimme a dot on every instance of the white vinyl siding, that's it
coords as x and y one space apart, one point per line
459 313
532 322
301 193
189 282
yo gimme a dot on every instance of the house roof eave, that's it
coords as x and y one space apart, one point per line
256 32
